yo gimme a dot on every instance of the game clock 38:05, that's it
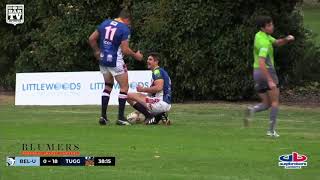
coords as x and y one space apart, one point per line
104 161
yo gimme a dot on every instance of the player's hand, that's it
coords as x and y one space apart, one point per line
139 88
290 38
271 84
97 55
138 56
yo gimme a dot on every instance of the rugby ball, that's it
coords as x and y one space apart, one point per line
136 117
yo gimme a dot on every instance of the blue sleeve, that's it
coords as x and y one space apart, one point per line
99 27
125 34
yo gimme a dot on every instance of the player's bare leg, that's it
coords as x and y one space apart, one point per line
134 98
108 81
264 105
274 99
122 79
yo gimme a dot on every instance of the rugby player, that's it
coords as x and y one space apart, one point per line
113 36
155 105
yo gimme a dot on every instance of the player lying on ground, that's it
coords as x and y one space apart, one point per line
113 37
158 101
264 74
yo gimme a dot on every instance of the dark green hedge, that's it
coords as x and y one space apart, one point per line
206 45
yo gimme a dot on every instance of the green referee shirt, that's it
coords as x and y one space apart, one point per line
263 47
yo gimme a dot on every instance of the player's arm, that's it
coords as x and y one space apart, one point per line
128 51
93 42
263 54
283 41
265 72
157 87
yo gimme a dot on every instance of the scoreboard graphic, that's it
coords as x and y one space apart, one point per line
61 161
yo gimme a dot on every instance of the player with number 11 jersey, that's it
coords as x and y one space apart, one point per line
113 37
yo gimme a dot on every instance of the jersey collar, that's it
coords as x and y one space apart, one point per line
264 33
158 67
119 20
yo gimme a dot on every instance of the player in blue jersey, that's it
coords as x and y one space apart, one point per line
157 103
113 37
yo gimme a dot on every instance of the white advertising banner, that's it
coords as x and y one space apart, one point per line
71 88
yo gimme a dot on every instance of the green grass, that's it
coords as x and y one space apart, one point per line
206 141
312 20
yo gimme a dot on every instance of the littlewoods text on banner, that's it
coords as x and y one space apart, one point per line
71 88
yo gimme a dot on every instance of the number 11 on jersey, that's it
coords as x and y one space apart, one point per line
110 33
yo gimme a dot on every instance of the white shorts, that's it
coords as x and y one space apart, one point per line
157 105
121 68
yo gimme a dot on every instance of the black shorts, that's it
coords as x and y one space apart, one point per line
261 83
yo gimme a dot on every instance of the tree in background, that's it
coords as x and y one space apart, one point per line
205 45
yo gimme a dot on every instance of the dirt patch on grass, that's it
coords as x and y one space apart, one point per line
6 97
290 97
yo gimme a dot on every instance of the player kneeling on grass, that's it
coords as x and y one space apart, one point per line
157 103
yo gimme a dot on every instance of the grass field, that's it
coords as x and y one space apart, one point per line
312 20
206 141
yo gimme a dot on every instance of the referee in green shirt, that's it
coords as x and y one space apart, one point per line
264 73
